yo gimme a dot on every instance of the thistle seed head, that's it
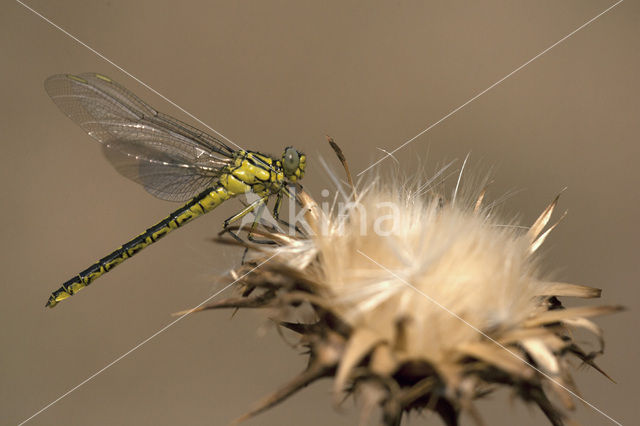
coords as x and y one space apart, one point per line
419 302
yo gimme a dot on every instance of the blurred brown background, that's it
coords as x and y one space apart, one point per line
270 74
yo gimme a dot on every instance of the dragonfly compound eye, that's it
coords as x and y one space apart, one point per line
290 162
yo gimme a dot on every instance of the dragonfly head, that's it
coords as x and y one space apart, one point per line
293 164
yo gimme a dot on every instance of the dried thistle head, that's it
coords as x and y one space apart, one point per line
418 302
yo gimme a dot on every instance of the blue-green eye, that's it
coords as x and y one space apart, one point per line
290 161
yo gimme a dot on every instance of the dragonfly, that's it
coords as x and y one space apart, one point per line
170 159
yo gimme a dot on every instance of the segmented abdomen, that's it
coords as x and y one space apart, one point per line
199 205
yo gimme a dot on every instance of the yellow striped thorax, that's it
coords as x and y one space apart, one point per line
252 171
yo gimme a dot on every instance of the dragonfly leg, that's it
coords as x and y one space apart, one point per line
259 204
276 209
277 205
234 235
255 223
248 209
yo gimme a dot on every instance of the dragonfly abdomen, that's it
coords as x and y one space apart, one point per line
199 205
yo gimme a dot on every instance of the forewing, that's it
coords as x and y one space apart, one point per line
171 159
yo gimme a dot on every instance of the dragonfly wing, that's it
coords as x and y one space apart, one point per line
164 177
171 159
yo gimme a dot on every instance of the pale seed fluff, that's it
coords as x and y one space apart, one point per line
415 301
393 257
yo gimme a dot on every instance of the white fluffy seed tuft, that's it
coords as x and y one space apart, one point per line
415 302
393 257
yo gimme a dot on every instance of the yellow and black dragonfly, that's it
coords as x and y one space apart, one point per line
171 159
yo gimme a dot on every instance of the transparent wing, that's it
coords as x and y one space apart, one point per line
165 176
172 160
